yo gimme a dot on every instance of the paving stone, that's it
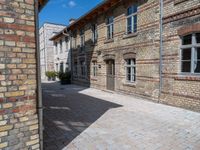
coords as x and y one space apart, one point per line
91 119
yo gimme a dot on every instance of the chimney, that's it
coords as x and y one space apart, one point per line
72 20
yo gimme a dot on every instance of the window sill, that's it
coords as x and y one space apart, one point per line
131 84
130 35
94 44
93 78
188 77
109 41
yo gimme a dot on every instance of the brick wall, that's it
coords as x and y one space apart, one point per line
181 17
18 115
145 44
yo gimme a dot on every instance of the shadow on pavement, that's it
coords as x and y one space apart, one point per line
67 113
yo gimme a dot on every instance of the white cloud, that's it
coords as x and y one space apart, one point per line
72 4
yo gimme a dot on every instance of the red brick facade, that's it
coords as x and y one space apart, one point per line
18 82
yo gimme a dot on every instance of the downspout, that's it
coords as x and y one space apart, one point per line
67 35
38 73
161 50
70 51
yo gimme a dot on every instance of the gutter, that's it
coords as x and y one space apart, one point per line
161 50
38 73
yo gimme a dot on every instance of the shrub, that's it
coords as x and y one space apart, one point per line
65 77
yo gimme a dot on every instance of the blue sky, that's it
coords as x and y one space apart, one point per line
60 11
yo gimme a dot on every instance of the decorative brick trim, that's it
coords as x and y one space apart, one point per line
189 29
108 56
183 14
188 78
181 95
179 1
129 55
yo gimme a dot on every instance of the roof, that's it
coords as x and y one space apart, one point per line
41 4
99 9
61 33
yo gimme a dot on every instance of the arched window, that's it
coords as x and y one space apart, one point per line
190 54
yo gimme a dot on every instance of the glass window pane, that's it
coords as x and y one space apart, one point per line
112 28
198 37
135 23
197 66
187 40
129 11
129 25
186 66
135 9
108 32
198 53
186 54
128 61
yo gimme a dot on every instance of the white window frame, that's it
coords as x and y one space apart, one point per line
82 40
83 69
75 68
193 48
111 27
132 66
94 68
132 20
56 48
94 33
61 46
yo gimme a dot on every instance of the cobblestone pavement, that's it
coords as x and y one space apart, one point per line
78 118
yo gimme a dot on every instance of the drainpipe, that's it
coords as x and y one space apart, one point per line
67 35
161 49
39 94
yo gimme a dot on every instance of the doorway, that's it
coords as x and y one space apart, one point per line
110 75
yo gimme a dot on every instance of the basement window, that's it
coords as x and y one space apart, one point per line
190 54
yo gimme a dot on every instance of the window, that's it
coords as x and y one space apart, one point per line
56 67
110 28
94 68
82 36
56 48
94 33
61 67
130 70
61 49
190 54
83 68
132 19
67 42
75 68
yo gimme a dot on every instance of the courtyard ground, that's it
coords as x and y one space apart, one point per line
79 118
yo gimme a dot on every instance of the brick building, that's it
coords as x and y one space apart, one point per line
19 72
181 54
47 47
134 47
